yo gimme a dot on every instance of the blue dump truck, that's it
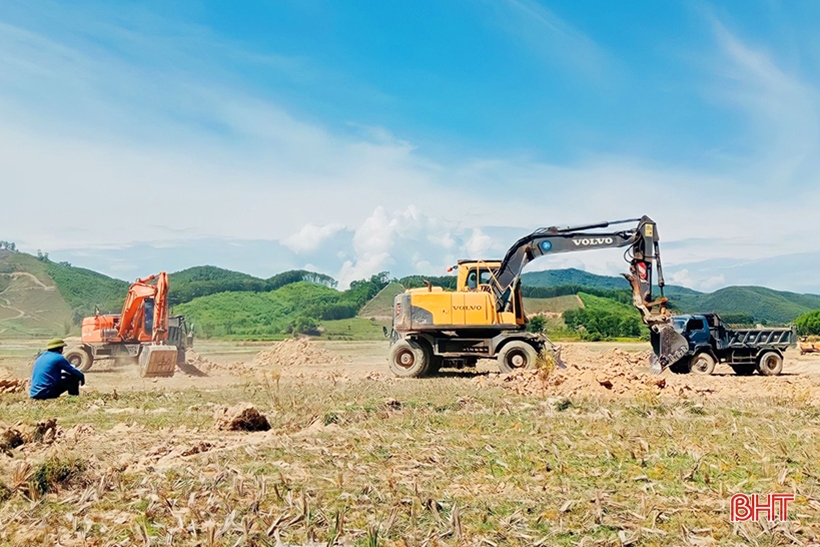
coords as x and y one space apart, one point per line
712 342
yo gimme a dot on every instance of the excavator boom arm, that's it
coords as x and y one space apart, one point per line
132 318
641 239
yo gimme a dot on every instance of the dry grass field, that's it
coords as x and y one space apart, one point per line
355 457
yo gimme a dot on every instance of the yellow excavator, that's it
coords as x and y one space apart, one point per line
484 317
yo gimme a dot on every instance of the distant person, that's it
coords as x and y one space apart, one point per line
53 375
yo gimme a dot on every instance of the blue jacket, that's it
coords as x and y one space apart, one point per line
48 369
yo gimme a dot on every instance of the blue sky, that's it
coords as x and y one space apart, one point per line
355 137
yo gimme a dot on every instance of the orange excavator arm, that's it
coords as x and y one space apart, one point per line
161 308
132 319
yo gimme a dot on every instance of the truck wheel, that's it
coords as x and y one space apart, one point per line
516 355
702 363
743 370
770 364
409 359
79 358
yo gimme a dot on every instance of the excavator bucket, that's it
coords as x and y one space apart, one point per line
668 346
158 361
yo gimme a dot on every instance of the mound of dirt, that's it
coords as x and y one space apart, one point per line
195 364
42 432
10 384
613 373
241 417
10 438
295 352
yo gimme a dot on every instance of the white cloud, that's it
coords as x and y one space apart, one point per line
311 237
479 244
694 280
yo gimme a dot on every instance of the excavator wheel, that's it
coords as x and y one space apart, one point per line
80 358
516 355
410 359
702 363
770 364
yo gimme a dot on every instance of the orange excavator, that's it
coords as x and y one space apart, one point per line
143 332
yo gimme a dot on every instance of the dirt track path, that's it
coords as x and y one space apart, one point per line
7 305
368 360
33 278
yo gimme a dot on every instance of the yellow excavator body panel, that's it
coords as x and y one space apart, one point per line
471 305
446 308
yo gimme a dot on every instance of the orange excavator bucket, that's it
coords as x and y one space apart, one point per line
157 361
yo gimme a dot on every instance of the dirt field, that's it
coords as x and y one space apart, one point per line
599 453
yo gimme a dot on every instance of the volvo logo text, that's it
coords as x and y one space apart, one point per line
589 242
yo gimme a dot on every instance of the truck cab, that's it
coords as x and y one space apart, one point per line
711 342
701 330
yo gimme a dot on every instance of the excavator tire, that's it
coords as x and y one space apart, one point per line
770 364
702 364
516 355
80 358
410 359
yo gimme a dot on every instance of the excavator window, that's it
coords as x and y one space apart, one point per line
149 316
483 275
471 279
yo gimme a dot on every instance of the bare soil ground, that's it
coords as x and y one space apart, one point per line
599 453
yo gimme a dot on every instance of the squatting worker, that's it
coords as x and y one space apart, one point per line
53 375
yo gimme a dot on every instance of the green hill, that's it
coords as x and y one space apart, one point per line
42 298
557 304
572 276
298 307
381 305
762 304
30 302
206 280
261 313
86 290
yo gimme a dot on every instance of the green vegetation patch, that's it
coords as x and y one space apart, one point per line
297 308
206 280
603 318
56 472
808 324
